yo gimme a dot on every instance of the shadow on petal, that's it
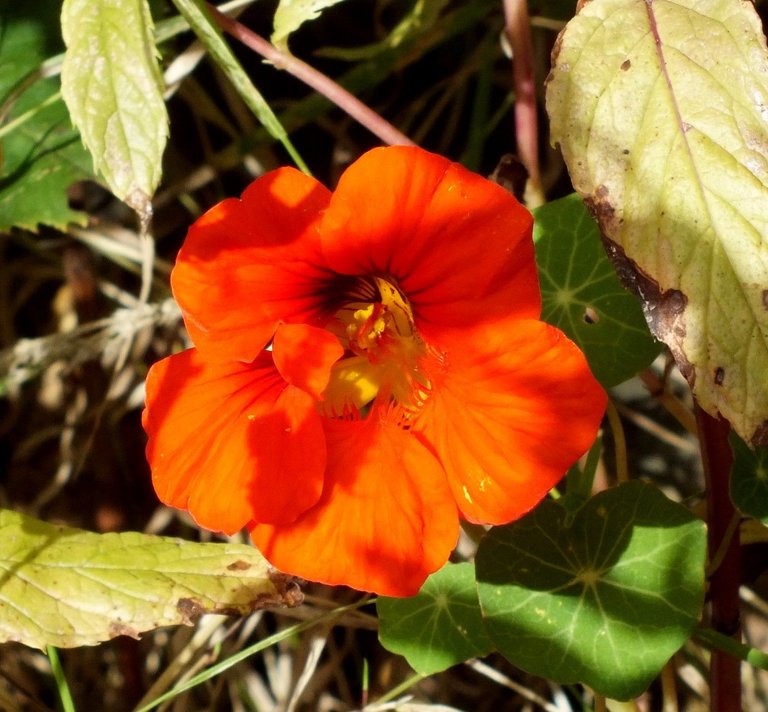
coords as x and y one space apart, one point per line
386 518
230 441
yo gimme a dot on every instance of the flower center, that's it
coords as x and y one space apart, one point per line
382 349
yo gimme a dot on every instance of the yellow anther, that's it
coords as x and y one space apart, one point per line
384 352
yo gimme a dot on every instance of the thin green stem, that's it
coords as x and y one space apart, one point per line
23 118
224 665
620 443
65 696
198 15
399 689
738 651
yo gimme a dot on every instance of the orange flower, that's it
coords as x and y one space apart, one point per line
368 366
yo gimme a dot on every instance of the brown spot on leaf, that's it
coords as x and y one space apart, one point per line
765 298
190 609
625 65
554 55
239 565
288 589
287 594
719 376
760 436
602 210
664 309
117 628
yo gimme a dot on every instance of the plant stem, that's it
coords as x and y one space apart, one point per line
620 443
717 458
197 13
324 85
518 29
717 641
65 696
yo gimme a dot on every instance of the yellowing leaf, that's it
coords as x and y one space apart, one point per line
291 14
661 111
67 587
112 86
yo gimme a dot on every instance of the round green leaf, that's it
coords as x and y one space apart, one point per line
605 601
68 587
440 626
660 110
583 297
749 480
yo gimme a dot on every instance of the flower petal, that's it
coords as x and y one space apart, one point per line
515 406
304 356
458 245
248 264
386 518
231 442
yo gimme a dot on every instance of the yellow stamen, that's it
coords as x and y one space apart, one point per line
383 348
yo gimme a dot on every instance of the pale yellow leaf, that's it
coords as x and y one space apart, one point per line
291 14
67 587
661 110
111 83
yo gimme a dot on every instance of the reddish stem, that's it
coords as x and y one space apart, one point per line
725 670
518 29
324 85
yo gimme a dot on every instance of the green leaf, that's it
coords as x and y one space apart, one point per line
605 601
440 626
291 14
583 297
41 152
67 587
749 480
112 85
660 109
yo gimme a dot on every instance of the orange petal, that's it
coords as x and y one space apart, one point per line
304 356
248 264
458 245
386 518
231 442
514 408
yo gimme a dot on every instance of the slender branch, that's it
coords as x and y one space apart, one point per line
669 688
518 29
716 641
673 405
324 85
620 443
717 458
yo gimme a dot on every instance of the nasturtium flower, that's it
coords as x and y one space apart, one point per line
368 367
